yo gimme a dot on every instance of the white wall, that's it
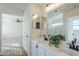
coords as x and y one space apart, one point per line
11 29
0 32
12 32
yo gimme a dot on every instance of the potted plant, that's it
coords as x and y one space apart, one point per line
55 40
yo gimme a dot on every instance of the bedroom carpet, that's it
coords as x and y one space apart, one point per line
13 51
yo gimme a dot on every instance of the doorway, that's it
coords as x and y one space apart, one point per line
12 35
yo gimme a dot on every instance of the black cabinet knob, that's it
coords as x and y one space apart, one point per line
27 36
36 46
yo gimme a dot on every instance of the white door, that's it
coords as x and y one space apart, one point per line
26 30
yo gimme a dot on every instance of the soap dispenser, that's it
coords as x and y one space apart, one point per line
45 37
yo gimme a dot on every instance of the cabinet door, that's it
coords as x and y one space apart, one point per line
40 51
33 49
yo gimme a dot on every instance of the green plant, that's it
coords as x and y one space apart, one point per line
55 40
61 37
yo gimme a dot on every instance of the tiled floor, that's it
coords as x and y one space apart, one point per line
13 51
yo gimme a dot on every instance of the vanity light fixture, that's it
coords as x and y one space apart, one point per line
53 6
35 16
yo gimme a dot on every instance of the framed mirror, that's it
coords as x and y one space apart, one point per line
36 23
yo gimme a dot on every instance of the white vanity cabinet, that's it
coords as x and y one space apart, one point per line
33 49
40 51
49 52
37 50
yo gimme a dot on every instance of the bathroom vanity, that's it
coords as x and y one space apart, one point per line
39 48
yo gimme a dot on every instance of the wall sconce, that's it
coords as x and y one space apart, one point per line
34 16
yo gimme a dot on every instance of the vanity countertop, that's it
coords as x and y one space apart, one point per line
45 45
63 50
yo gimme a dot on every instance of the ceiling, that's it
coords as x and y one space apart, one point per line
63 8
19 8
13 7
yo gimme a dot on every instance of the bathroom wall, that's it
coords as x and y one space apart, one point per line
0 32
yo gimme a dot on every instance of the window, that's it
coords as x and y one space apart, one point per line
76 25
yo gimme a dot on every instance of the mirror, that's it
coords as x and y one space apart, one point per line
43 23
36 23
73 28
55 24
39 22
39 26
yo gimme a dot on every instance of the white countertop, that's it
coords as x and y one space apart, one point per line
44 44
61 51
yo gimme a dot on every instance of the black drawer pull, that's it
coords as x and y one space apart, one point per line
26 35
36 46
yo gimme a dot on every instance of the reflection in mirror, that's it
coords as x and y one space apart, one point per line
39 26
76 29
43 22
55 24
39 22
73 29
73 32
36 23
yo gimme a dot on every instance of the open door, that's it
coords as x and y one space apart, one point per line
26 31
